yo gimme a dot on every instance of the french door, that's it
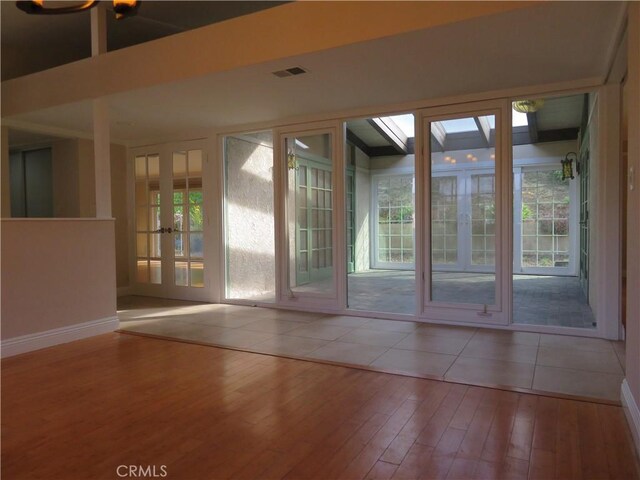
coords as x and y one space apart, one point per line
170 222
465 180
463 220
311 183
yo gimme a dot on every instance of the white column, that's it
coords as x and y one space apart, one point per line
101 130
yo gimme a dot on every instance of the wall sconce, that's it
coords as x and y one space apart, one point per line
567 165
121 8
291 160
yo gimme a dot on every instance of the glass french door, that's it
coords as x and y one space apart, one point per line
463 265
170 222
311 189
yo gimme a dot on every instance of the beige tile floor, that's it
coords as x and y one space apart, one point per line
556 364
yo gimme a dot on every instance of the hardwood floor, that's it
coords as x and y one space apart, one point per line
81 410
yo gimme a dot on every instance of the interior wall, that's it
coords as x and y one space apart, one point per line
119 211
65 178
56 273
5 200
632 373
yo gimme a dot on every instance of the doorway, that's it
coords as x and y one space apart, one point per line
170 222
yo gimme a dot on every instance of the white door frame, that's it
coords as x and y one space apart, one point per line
457 312
336 299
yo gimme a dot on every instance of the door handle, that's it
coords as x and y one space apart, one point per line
169 230
160 230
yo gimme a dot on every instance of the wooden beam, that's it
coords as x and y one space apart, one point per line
485 129
438 137
358 142
532 124
391 133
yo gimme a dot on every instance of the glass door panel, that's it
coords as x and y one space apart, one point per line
463 219
310 183
147 219
187 229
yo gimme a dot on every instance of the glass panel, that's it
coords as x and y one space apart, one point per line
463 217
248 213
156 271
141 245
552 225
181 273
195 245
179 245
195 218
142 271
153 165
310 177
380 215
197 274
178 218
195 163
141 167
179 164
154 245
142 222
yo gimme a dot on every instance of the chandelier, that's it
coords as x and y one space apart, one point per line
527 106
121 8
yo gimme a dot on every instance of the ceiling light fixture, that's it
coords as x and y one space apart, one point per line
121 8
528 106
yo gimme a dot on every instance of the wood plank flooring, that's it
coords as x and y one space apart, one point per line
79 411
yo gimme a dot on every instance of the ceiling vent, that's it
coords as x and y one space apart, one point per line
289 72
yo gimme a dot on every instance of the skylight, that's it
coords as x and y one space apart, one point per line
459 125
518 119
406 124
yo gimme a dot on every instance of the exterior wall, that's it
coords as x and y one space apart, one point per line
362 212
56 273
249 216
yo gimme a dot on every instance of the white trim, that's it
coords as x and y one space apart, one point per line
36 341
632 412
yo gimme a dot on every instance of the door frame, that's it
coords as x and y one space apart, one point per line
336 299
500 313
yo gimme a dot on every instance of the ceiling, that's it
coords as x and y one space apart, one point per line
31 43
559 118
551 42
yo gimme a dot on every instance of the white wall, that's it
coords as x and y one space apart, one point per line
631 388
362 211
56 274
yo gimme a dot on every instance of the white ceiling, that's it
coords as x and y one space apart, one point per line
551 42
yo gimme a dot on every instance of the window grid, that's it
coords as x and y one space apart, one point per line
395 219
444 220
545 219
483 219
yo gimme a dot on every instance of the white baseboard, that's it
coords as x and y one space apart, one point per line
632 412
49 338
124 291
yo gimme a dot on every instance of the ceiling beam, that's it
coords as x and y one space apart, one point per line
532 124
391 133
438 136
484 128
358 142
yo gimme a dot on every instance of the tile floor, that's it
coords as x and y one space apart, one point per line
577 366
537 299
